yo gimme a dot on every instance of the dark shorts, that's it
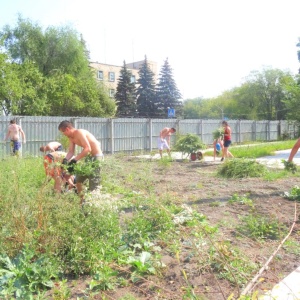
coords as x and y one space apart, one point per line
15 146
227 143
95 178
59 148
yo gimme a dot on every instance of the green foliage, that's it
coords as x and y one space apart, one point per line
293 194
241 200
189 143
241 168
125 95
167 93
146 91
258 226
289 166
218 133
26 274
48 73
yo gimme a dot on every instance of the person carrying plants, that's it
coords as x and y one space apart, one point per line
227 140
13 132
164 140
91 155
51 147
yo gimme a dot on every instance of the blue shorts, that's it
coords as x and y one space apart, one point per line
227 143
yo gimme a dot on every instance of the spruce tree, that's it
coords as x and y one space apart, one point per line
167 93
146 91
125 95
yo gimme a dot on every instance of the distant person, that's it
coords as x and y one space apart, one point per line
54 170
164 140
51 147
91 152
13 132
227 140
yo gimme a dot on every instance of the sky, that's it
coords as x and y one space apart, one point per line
211 45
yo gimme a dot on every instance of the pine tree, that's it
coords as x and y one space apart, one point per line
125 95
167 94
146 91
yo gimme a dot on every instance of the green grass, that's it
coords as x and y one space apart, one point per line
258 150
47 237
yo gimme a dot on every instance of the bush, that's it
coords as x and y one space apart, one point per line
189 143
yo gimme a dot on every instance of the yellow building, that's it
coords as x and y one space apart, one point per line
109 74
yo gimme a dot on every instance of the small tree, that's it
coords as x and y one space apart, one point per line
188 144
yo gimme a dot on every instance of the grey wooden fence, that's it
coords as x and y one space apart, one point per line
130 134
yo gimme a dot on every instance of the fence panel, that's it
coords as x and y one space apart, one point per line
130 134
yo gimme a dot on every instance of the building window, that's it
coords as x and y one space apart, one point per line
132 79
111 76
111 93
100 75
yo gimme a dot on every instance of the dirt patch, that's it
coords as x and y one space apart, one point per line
186 276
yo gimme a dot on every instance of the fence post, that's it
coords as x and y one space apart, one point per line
150 134
254 130
239 127
269 130
201 129
112 137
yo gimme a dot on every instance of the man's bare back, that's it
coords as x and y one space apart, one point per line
79 138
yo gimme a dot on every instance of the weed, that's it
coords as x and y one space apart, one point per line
215 204
292 246
289 166
293 194
61 291
258 226
241 200
231 264
241 168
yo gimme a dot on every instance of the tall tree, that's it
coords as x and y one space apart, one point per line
10 85
125 95
60 81
267 88
167 93
146 91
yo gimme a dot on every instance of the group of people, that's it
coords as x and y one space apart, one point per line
59 165
221 144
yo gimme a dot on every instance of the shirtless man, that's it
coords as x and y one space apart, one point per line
164 140
51 147
90 151
13 132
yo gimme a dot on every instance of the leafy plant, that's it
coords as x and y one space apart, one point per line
289 166
25 274
189 143
294 193
217 133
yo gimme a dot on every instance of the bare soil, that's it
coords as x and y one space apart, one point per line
196 184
